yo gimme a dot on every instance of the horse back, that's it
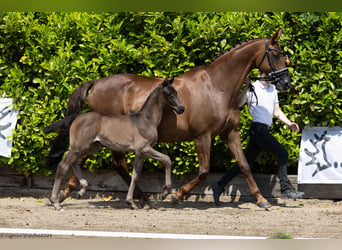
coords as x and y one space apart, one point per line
121 94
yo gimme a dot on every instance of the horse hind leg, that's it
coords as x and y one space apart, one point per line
76 174
72 182
82 180
62 168
234 144
70 186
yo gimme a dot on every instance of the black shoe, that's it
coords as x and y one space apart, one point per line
291 194
217 191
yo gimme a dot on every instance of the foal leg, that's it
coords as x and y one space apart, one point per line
82 180
62 168
120 165
137 170
234 144
71 183
203 144
166 161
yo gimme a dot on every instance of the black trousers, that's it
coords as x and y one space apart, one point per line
261 139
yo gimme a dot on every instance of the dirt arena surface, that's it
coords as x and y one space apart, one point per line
304 218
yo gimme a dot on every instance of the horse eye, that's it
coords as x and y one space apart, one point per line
276 56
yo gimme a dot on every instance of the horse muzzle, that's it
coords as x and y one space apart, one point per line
282 79
180 110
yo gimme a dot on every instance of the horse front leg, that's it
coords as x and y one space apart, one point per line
166 161
137 170
202 144
120 165
234 144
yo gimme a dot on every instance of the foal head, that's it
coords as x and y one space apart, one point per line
171 97
274 63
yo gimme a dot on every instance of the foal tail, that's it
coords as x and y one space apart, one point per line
64 123
75 105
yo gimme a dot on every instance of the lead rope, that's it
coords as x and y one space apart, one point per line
252 90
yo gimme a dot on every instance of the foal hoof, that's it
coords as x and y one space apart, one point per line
79 195
146 204
132 205
264 204
57 207
149 206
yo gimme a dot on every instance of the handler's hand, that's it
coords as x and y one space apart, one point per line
294 126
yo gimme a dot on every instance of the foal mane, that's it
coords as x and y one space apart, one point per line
154 93
236 46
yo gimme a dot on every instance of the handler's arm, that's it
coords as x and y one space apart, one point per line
278 113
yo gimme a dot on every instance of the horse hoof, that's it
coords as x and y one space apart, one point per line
174 200
145 204
164 195
264 204
132 205
61 197
148 206
57 207
144 201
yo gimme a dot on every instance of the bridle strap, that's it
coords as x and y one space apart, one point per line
266 54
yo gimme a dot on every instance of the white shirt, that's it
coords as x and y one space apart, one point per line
262 107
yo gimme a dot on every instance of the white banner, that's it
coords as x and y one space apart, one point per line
320 158
8 120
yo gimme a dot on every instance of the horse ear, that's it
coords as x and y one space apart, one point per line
167 81
276 36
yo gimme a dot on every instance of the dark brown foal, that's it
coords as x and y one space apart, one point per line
136 132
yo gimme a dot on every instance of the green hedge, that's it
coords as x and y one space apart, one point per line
45 56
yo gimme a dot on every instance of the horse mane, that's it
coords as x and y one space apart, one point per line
236 46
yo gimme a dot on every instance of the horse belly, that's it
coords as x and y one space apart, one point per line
117 133
115 145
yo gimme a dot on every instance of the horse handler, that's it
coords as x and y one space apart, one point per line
263 103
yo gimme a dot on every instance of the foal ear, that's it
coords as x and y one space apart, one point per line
168 81
276 36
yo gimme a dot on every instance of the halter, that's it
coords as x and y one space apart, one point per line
274 76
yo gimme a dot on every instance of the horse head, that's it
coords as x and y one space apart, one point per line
171 96
276 63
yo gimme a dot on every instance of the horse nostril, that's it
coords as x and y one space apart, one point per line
181 110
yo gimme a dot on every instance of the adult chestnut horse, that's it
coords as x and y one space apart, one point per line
210 96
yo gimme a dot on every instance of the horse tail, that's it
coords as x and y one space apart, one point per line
76 103
65 122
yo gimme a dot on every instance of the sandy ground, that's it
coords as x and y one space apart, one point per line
304 218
